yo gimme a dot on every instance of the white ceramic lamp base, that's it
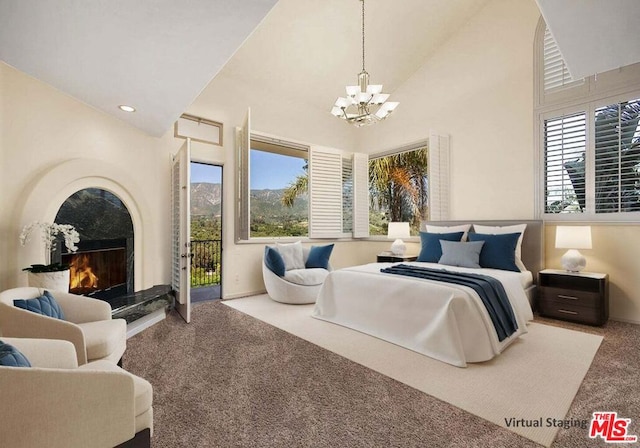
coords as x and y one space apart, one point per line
573 261
398 247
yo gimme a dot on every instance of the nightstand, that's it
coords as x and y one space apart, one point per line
388 257
574 296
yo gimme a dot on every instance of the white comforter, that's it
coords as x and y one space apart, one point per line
441 320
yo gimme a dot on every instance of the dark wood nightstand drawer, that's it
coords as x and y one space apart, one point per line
566 311
571 297
578 297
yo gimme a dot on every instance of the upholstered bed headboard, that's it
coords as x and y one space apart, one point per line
532 242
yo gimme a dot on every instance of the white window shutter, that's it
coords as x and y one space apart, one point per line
360 195
438 177
243 144
325 193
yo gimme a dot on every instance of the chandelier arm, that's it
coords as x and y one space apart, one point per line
363 35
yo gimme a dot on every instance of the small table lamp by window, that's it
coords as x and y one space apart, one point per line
398 230
573 238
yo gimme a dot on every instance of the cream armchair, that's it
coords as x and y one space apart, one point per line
56 404
88 324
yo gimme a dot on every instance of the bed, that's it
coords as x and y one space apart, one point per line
445 321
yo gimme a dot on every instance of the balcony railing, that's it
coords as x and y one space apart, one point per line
205 262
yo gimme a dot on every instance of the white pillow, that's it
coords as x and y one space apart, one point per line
450 229
501 230
292 255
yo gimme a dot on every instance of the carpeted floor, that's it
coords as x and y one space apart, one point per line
229 380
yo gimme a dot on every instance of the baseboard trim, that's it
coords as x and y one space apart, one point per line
243 294
628 321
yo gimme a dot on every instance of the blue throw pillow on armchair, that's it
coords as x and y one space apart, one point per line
46 305
319 256
274 261
431 250
12 357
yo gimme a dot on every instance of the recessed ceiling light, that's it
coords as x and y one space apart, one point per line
126 108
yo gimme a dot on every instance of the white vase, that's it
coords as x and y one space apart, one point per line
51 281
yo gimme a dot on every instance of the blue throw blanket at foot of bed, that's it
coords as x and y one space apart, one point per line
489 289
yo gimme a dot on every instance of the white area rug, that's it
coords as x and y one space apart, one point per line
536 378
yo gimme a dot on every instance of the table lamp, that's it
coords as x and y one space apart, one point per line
573 238
398 230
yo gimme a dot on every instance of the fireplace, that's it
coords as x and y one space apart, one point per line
103 265
99 268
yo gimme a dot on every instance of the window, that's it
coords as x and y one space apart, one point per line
410 184
610 152
589 139
286 189
556 74
278 199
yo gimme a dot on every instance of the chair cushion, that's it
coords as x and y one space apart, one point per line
142 388
306 277
12 357
319 256
46 305
273 260
103 337
292 254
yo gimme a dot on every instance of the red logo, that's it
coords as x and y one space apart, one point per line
611 428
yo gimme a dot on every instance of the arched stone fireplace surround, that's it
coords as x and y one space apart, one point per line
51 188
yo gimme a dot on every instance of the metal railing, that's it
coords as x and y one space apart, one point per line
206 257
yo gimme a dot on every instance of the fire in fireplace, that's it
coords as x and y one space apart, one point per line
99 268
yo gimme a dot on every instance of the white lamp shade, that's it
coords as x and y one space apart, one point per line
573 237
398 230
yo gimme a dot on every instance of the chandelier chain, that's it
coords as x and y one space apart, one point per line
363 35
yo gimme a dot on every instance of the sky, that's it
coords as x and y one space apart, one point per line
201 172
263 165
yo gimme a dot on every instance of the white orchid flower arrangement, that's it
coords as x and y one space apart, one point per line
50 232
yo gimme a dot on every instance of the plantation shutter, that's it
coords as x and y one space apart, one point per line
243 142
565 140
360 168
438 151
617 138
325 193
556 72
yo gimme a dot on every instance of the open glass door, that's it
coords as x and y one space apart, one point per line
181 228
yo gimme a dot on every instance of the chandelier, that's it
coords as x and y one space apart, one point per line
365 103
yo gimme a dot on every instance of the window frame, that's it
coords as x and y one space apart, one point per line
596 91
244 138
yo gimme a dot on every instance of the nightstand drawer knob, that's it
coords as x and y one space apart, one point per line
568 312
567 297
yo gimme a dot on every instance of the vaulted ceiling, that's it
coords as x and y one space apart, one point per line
158 55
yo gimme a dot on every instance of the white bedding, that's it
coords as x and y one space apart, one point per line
444 321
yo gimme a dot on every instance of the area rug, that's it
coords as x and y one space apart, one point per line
528 389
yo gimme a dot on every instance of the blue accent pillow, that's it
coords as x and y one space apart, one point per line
11 356
319 256
45 304
463 254
499 251
274 261
431 251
